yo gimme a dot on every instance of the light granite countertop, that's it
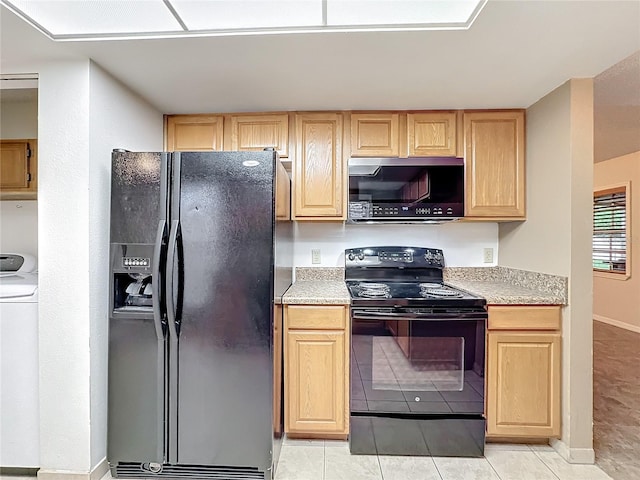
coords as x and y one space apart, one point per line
318 292
498 285
509 286
503 293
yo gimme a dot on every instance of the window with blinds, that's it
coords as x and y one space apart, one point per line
610 230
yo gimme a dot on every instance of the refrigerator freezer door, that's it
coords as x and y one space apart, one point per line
225 204
137 349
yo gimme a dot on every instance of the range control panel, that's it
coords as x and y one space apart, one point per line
414 257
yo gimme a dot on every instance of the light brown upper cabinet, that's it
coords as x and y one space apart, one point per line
18 170
257 132
318 167
431 134
494 164
194 133
374 135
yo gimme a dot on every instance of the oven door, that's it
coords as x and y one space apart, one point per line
417 382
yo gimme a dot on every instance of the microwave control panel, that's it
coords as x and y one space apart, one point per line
360 210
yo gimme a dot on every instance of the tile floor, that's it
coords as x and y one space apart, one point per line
331 460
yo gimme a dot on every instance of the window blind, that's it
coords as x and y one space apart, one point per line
610 230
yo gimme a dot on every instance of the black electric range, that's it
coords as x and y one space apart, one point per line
417 356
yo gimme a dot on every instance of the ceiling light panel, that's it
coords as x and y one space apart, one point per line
402 12
245 14
95 17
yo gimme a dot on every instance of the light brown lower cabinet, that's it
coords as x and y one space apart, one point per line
523 371
316 376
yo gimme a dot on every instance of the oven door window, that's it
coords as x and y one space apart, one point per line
406 363
417 366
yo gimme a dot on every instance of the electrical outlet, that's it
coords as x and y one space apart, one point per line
315 255
488 255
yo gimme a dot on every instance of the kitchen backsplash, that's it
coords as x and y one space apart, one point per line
463 244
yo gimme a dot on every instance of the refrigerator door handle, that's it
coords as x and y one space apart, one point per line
171 257
156 278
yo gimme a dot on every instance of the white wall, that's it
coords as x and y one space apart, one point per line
462 243
556 239
63 255
18 220
19 226
119 118
18 119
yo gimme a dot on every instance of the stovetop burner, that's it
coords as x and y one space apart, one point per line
437 290
373 290
402 277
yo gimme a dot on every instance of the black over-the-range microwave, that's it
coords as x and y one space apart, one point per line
406 190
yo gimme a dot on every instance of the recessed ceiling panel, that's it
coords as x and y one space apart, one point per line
235 14
401 12
74 17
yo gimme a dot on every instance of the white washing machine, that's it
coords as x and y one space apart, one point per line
19 428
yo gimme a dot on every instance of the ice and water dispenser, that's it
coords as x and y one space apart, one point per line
132 287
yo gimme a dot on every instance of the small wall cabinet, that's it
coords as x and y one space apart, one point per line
375 134
18 170
494 165
319 169
194 133
316 371
431 134
523 371
257 132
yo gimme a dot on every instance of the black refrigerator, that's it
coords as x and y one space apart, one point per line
200 256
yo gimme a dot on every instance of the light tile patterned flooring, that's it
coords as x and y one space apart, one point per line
331 460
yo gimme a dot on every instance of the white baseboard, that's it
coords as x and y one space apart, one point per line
617 323
99 470
44 474
574 455
97 473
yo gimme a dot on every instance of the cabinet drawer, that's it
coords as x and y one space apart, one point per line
524 318
316 317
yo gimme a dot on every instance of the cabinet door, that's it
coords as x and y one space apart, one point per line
431 134
374 135
315 382
17 169
494 164
318 168
193 133
523 384
257 132
283 194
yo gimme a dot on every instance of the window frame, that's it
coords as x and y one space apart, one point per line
603 191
